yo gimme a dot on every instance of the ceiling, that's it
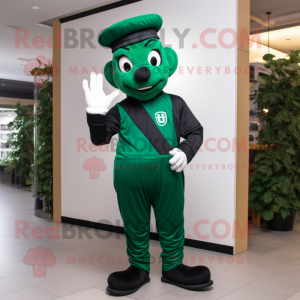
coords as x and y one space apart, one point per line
284 40
19 13
282 12
16 89
277 7
257 51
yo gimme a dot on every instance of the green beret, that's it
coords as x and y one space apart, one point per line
131 31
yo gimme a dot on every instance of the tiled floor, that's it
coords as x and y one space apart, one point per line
270 269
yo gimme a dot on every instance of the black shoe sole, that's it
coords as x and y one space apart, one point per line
124 293
189 287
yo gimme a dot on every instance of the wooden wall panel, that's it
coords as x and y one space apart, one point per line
57 125
242 156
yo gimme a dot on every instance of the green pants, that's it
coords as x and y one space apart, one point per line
140 183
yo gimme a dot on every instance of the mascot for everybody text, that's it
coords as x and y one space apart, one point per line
150 157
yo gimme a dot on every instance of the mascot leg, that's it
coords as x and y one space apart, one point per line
168 206
140 183
132 185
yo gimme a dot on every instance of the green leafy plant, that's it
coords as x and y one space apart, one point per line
44 143
21 141
10 164
48 69
275 185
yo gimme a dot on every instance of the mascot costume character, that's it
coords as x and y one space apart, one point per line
149 157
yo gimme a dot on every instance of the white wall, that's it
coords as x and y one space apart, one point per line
210 193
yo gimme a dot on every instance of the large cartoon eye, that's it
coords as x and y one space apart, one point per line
125 64
154 58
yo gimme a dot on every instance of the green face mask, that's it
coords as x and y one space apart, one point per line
141 70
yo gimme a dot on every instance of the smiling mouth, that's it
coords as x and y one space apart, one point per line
144 89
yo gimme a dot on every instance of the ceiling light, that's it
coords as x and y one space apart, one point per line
288 39
14 27
35 7
44 25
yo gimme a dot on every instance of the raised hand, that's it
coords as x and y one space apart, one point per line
178 161
96 100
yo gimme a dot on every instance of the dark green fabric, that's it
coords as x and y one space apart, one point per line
172 59
143 178
163 103
140 183
108 73
127 26
132 142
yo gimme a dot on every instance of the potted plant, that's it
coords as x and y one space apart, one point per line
275 185
2 167
39 71
21 142
10 166
43 162
45 146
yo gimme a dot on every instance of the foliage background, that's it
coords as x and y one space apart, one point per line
275 185
21 141
44 157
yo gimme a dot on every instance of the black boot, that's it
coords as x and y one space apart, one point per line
127 282
190 278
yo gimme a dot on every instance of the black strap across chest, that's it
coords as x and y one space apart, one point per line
139 115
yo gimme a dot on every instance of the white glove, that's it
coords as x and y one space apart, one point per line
179 160
96 100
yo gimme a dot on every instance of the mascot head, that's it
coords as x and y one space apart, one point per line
140 65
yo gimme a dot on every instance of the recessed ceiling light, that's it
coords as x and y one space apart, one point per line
44 25
14 27
35 7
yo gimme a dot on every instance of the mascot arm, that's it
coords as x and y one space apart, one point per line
189 128
96 100
179 160
103 123
102 127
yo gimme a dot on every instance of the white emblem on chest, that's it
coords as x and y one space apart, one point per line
161 118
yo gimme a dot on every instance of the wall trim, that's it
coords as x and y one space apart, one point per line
274 28
153 236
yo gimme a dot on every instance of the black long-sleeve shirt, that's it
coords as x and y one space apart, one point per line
103 128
